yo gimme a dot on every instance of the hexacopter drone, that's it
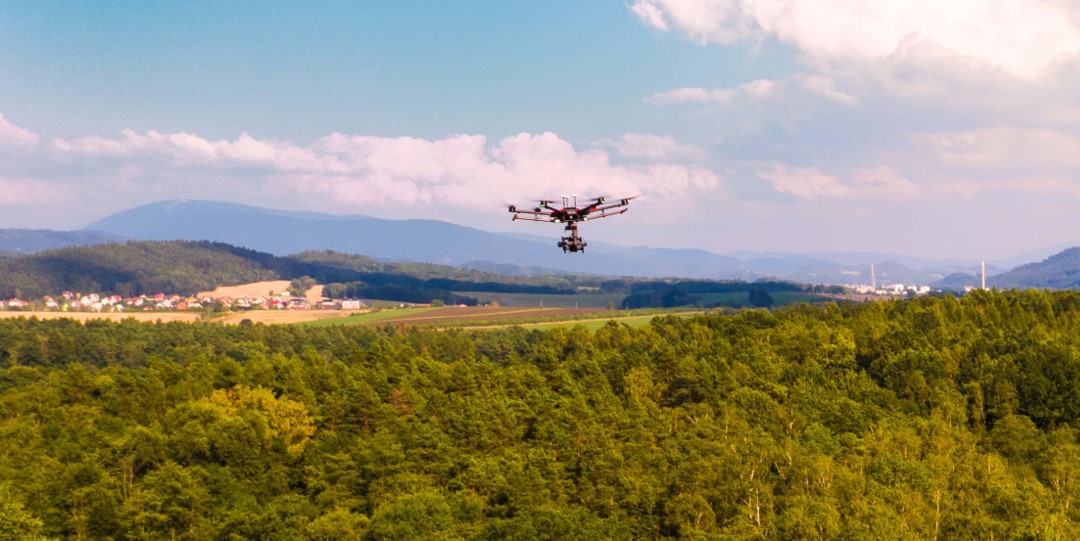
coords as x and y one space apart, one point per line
571 215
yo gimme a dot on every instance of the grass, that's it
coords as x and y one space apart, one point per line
595 320
368 317
548 300
581 300
737 299
632 321
740 299
633 318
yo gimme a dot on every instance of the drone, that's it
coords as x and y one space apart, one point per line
571 214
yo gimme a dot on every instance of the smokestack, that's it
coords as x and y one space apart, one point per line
984 275
873 278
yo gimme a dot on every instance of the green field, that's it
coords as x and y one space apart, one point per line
583 300
632 318
498 317
578 300
603 300
368 317
742 299
633 322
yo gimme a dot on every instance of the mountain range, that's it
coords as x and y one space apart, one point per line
29 241
282 232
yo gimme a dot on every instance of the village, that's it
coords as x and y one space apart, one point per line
95 302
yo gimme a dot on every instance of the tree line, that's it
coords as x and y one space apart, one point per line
672 293
930 418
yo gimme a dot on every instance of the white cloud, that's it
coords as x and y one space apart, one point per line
695 95
650 14
1005 148
826 88
963 99
804 182
811 183
651 147
14 136
754 90
1022 37
465 171
883 182
759 90
22 191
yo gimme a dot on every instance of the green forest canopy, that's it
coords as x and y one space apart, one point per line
933 418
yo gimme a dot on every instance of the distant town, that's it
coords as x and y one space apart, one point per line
96 302
890 290
68 301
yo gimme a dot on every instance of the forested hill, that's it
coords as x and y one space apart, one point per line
147 267
1060 271
185 268
934 418
134 268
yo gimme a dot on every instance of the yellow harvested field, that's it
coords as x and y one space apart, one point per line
268 317
254 289
274 317
261 289
113 316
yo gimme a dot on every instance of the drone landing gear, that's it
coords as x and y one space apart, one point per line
574 242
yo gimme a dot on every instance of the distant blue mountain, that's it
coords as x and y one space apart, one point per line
283 232
31 241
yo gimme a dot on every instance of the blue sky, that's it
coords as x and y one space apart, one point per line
422 69
928 128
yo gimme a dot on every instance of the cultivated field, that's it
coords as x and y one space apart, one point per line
538 300
454 314
280 317
541 311
268 317
268 288
112 316
471 317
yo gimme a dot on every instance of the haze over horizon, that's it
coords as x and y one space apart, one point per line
925 128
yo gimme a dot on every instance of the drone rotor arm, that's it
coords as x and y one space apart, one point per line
540 218
603 213
530 212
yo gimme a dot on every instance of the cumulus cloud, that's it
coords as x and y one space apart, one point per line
883 182
825 87
810 183
1005 148
1021 37
804 182
22 191
643 146
465 171
970 98
759 89
14 136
